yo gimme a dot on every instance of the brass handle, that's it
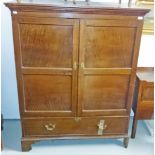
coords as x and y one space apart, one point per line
50 127
101 126
82 65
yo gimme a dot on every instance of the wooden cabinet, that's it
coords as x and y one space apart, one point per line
75 69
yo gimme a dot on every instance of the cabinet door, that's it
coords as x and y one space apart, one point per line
46 55
106 62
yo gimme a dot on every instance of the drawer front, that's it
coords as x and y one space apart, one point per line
74 126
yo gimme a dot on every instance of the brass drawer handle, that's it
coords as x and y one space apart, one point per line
101 126
50 127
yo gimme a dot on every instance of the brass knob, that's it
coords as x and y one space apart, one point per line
50 127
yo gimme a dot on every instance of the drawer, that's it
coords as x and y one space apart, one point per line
74 126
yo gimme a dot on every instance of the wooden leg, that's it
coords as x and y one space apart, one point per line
26 145
134 127
126 142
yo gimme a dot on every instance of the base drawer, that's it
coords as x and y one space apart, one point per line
75 126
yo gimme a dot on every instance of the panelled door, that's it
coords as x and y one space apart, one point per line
106 59
46 56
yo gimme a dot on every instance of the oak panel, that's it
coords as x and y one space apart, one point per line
108 47
47 45
47 93
105 92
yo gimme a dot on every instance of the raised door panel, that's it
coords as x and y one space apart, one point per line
106 59
46 65
46 45
108 47
105 92
47 93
